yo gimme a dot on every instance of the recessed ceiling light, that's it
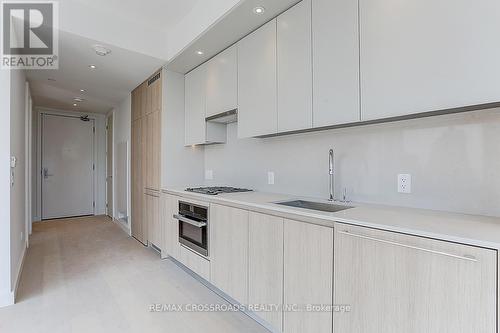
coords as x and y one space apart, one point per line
101 50
74 104
78 99
259 10
92 66
82 90
199 52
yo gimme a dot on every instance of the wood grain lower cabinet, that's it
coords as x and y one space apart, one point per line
229 251
169 207
308 276
265 265
398 283
152 217
194 262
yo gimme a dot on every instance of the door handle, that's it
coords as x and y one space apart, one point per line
46 173
464 257
191 222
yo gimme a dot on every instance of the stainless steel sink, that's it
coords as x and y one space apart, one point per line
321 206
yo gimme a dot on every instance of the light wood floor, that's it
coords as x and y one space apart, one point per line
87 275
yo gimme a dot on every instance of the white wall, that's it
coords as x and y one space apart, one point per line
181 165
18 189
5 276
99 155
454 161
121 134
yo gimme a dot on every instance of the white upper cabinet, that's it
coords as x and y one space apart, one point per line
294 68
195 106
222 82
335 62
197 130
428 55
257 112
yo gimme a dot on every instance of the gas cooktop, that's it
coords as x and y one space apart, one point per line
214 190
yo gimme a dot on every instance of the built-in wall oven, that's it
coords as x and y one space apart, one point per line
193 227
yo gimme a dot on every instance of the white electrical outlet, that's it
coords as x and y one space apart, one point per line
404 183
209 174
270 177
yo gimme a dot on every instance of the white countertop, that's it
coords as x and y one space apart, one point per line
461 228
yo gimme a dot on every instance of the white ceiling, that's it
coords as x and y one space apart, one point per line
139 34
156 14
105 87
228 29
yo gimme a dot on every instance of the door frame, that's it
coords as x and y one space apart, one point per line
111 116
93 118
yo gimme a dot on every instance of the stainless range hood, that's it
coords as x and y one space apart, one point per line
226 117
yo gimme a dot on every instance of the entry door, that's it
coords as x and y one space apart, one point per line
67 166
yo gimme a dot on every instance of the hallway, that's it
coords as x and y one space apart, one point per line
87 275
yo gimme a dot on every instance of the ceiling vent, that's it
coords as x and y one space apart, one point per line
154 78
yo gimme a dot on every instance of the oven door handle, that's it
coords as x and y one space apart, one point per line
189 221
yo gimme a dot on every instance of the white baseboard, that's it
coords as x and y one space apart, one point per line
6 298
19 271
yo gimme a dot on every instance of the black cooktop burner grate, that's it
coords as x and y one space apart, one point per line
214 190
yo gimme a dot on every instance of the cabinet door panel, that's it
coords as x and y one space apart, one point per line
153 218
257 112
156 150
397 283
137 200
156 93
428 55
335 62
265 265
308 277
222 82
135 104
170 206
294 68
143 93
195 106
229 251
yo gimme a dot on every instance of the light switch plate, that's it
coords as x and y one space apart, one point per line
209 174
404 183
270 177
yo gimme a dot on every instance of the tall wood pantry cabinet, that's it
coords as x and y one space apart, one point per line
146 162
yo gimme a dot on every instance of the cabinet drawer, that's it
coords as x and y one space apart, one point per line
194 262
400 283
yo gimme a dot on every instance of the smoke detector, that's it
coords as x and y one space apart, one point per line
101 50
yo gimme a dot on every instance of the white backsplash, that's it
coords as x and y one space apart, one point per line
454 161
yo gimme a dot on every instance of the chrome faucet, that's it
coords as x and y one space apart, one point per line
330 172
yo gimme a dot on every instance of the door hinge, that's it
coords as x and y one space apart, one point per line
93 166
93 129
93 204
